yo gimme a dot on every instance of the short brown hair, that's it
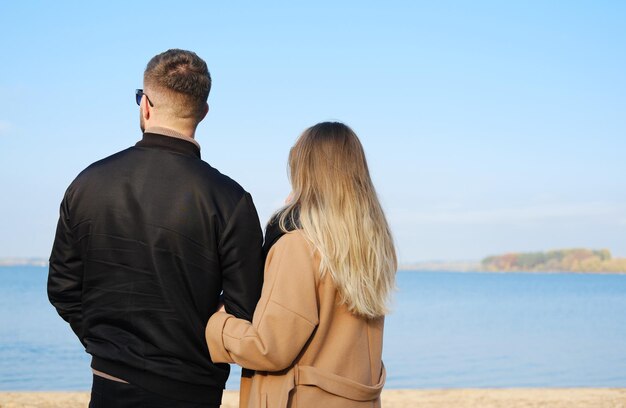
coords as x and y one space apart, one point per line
185 76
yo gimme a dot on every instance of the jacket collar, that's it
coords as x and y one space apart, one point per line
273 232
161 141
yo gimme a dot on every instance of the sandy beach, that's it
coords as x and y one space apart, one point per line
453 398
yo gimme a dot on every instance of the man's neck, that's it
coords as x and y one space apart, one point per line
161 130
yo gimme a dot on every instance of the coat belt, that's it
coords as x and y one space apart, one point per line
338 385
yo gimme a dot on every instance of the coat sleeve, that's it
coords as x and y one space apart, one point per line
285 318
65 275
241 259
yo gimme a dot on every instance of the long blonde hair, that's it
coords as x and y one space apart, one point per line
335 204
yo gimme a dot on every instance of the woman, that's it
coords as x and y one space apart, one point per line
316 336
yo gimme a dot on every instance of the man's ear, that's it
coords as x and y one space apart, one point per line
145 111
206 110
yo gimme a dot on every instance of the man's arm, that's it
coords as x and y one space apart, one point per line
241 259
65 276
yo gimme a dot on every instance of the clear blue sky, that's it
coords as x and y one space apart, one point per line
490 126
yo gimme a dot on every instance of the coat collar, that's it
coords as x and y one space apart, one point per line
161 141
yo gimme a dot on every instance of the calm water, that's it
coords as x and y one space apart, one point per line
448 330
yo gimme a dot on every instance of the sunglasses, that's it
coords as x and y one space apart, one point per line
139 94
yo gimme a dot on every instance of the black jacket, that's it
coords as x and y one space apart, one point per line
146 241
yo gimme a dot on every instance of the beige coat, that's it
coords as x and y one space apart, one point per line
307 350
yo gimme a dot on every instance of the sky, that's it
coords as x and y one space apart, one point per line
489 126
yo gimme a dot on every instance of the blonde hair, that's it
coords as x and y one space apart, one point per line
335 204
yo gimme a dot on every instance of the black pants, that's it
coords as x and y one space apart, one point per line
113 394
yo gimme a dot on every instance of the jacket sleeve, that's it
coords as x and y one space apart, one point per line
241 259
65 275
285 318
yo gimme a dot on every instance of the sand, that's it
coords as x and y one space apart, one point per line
452 398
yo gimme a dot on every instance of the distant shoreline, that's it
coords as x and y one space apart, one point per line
478 267
411 269
462 266
23 262
441 266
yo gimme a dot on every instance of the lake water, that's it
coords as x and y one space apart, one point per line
447 330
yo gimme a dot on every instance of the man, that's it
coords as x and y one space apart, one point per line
147 240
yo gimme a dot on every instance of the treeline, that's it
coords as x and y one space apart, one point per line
563 260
